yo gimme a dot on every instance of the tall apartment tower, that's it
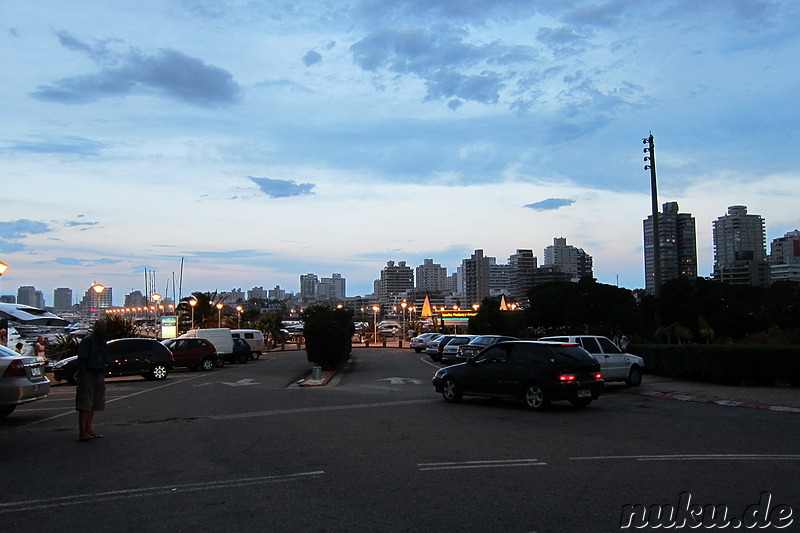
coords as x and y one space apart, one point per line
395 278
62 299
569 259
784 257
332 288
26 295
678 246
740 252
476 276
431 277
308 286
522 266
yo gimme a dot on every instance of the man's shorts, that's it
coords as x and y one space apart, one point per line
91 392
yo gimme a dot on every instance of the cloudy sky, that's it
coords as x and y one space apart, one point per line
262 140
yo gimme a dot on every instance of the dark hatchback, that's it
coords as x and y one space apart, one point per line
536 372
127 357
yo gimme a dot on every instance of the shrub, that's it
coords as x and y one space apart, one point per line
329 334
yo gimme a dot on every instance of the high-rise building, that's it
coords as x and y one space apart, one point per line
395 278
62 299
740 252
308 286
277 293
476 274
26 295
431 277
784 257
332 288
8 299
257 293
569 259
678 246
522 266
91 299
135 299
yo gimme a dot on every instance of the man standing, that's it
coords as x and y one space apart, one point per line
90 395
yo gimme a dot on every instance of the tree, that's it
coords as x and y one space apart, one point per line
329 335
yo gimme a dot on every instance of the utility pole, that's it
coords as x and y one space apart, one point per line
650 159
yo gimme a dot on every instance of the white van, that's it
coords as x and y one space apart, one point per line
254 338
221 338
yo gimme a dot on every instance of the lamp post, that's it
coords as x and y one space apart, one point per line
156 297
238 316
375 310
97 288
219 314
404 304
192 303
3 268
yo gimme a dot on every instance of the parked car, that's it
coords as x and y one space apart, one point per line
450 350
127 357
241 352
194 353
616 365
465 351
420 342
536 372
254 338
22 380
221 338
435 347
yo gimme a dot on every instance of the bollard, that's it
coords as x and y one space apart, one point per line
316 372
366 343
299 346
384 343
401 344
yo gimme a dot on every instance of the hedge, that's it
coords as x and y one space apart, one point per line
761 364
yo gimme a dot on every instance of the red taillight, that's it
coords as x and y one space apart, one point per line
15 370
566 377
598 376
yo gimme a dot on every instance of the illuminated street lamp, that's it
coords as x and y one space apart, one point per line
97 288
404 305
3 268
238 316
375 310
192 303
219 315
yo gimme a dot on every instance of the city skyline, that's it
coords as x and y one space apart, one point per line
260 141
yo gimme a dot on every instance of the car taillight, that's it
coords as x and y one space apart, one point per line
15 370
566 378
598 376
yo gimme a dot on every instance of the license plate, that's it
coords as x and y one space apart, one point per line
36 372
584 393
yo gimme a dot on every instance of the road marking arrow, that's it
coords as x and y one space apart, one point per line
401 381
241 382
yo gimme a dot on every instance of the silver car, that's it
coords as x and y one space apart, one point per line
450 350
22 380
420 342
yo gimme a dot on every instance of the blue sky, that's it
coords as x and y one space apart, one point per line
264 140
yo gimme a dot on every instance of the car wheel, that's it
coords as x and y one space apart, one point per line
206 364
220 362
255 355
451 392
536 398
243 358
72 378
581 402
7 410
634 377
418 350
159 371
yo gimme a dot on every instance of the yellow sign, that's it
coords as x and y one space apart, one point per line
457 314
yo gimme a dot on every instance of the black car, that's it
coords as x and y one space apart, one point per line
536 372
127 357
477 344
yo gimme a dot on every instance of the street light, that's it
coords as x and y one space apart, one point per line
375 310
3 268
156 297
98 289
404 305
238 316
192 303
219 316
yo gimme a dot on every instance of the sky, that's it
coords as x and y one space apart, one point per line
260 140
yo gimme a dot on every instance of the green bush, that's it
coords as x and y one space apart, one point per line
723 363
329 334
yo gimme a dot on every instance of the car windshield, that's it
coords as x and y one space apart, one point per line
570 353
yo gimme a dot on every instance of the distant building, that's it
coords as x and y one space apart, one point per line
257 293
431 277
308 286
784 257
678 246
8 299
740 253
522 266
569 259
135 299
395 279
91 299
476 275
26 295
62 299
277 293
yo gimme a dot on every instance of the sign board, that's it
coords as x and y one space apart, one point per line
169 327
456 317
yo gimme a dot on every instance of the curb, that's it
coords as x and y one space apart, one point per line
683 397
308 381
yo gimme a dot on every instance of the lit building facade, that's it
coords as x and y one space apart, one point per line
678 246
740 252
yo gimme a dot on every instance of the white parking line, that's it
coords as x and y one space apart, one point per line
694 457
480 464
81 499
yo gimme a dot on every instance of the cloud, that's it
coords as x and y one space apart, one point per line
167 73
73 261
563 41
12 232
551 204
233 254
312 58
58 145
282 188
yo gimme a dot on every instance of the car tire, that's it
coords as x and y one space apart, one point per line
634 377
255 355
581 402
451 392
206 364
220 362
536 398
159 372
418 350
7 410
